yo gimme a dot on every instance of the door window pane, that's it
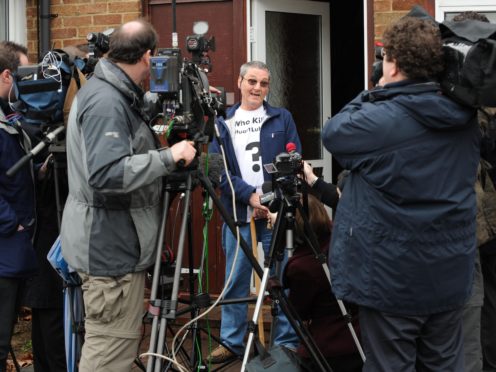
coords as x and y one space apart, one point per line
4 26
296 81
490 15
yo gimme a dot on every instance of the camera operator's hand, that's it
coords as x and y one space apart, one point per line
310 177
214 90
271 220
259 210
44 168
184 150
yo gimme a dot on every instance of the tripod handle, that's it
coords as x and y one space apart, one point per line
15 168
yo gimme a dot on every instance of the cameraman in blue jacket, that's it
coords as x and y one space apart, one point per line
17 208
403 242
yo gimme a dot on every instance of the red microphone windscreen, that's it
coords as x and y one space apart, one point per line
290 147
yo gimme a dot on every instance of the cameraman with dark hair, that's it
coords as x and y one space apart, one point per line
112 214
403 241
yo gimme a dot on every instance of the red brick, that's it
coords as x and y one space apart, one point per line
382 6
130 17
56 22
404 4
32 34
107 19
82 20
64 33
65 10
125 7
387 18
379 30
92 8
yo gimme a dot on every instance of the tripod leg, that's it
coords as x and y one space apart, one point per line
258 307
313 243
154 307
254 244
279 296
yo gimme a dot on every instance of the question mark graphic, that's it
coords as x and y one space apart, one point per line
255 155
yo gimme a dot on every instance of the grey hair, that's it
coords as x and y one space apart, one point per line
253 64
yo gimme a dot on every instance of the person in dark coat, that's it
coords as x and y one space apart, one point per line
44 291
311 295
403 242
17 208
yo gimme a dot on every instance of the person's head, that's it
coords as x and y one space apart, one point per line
131 47
412 50
20 50
253 82
470 16
8 65
318 219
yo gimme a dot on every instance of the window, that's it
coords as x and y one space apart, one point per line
14 27
4 26
448 16
447 9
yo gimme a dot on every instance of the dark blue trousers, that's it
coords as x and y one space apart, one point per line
400 343
10 298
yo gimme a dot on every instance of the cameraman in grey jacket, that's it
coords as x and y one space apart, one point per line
112 214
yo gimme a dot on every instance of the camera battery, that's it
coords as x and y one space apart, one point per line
164 75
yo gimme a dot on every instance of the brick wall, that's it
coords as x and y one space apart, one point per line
77 18
386 11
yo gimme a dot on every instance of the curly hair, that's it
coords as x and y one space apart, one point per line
415 45
128 44
469 15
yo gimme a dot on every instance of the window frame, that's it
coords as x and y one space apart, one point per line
457 6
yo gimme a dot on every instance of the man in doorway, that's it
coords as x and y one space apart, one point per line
252 134
403 242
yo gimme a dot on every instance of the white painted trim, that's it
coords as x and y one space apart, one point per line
248 31
365 44
17 22
259 7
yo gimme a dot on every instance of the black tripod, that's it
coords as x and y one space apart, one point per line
289 203
167 309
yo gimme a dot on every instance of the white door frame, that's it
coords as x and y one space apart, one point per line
256 51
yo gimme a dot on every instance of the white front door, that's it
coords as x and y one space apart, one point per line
293 38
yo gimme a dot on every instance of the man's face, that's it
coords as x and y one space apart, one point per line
254 87
387 67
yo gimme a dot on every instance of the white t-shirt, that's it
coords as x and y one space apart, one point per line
244 128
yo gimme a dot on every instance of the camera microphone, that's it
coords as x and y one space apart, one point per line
215 167
291 150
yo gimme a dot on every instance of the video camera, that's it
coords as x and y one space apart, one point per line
285 181
188 107
98 45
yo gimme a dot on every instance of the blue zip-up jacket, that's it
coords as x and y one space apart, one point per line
17 256
278 130
404 232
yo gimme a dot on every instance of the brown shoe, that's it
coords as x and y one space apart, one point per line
220 355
